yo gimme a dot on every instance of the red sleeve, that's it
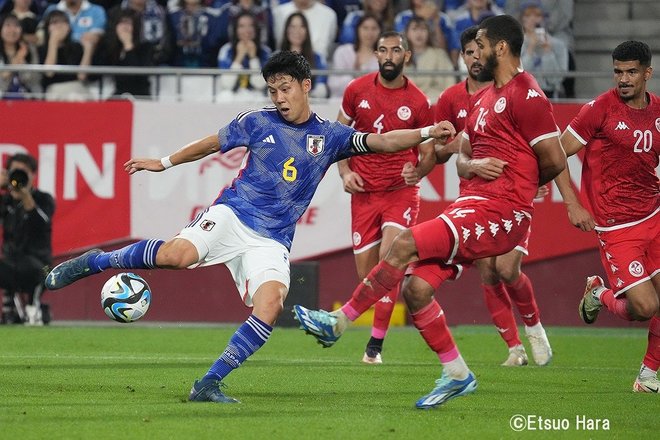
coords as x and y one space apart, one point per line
534 117
443 108
587 122
347 101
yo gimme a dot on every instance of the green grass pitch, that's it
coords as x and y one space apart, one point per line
132 381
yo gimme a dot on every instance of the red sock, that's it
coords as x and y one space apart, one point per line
382 278
618 306
499 306
383 313
432 325
652 357
522 294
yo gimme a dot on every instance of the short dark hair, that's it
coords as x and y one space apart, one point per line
633 51
504 27
27 159
388 34
468 35
287 62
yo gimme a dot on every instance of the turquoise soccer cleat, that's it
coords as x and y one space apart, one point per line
446 389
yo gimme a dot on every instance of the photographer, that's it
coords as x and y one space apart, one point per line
26 215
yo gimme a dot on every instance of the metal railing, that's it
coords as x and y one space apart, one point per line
178 74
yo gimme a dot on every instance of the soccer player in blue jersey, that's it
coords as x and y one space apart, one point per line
250 226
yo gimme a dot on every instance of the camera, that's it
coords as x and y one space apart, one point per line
18 178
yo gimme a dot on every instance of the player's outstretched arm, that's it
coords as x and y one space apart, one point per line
577 214
191 152
398 140
412 175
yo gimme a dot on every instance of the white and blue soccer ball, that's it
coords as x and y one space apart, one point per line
125 297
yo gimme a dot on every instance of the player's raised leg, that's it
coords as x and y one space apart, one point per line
144 254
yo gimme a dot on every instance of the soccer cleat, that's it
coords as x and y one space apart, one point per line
649 384
372 356
541 350
517 357
590 304
71 270
208 390
446 389
324 326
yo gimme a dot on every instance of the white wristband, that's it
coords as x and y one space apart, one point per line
425 132
166 162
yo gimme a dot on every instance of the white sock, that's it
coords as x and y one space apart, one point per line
457 369
645 371
517 347
536 329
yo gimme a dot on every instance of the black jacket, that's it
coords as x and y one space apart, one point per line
27 233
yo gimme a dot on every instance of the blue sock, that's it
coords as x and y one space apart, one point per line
140 255
249 337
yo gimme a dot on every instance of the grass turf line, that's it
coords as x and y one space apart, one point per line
132 381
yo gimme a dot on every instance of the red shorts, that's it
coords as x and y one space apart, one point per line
631 254
524 243
435 272
372 211
472 228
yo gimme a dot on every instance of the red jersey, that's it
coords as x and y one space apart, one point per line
453 105
618 173
506 123
377 109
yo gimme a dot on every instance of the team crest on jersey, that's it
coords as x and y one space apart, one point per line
357 238
500 105
657 124
207 225
404 113
315 144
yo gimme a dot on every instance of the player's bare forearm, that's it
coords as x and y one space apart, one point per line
189 153
426 159
398 140
577 214
551 158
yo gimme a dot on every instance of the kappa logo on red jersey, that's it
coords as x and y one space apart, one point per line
364 104
462 113
622 126
315 144
531 93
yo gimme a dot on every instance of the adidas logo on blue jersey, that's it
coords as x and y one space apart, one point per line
269 139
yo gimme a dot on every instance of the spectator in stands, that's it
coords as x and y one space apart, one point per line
121 46
297 38
15 51
383 10
87 21
322 23
197 34
472 13
427 57
25 216
28 20
559 23
261 14
154 28
453 7
59 48
245 51
360 55
442 29
344 7
542 52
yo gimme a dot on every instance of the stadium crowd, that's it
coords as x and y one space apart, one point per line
241 34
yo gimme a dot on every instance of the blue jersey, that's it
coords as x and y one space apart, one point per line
285 165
